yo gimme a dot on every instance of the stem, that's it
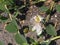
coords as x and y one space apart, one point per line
8 12
16 13
51 7
37 2
47 18
56 23
51 39
30 4
54 38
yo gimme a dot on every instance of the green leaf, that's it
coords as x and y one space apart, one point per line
20 39
5 2
12 27
8 2
51 30
45 43
58 8
2 6
1 43
43 8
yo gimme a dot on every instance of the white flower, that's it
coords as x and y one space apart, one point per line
36 25
37 28
38 18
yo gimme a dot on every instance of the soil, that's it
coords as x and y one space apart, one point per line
6 37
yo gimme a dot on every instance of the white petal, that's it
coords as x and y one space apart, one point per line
38 29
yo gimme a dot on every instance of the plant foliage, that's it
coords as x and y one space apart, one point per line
14 24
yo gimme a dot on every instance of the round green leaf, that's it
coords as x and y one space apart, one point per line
43 8
12 27
51 30
20 39
1 43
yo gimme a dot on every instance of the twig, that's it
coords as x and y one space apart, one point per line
8 12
